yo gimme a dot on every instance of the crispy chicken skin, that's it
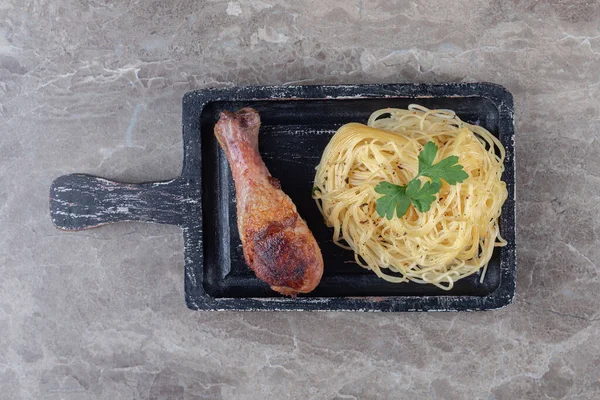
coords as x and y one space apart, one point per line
278 246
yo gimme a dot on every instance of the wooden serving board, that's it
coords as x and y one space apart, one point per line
297 123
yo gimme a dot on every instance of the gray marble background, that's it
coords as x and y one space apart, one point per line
95 86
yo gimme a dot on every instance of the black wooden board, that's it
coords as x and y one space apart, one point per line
297 123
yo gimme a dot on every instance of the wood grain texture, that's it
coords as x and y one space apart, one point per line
80 202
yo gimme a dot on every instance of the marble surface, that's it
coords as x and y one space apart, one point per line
95 86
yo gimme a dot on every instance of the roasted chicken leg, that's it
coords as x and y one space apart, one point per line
278 246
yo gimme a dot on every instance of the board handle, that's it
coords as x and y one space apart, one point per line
81 201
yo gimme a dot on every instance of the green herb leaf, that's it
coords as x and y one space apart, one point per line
427 155
394 200
447 169
422 196
315 189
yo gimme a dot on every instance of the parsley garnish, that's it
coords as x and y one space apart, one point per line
396 199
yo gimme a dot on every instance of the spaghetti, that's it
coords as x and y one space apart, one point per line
452 240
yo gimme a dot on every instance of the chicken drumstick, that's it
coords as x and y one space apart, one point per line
278 246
